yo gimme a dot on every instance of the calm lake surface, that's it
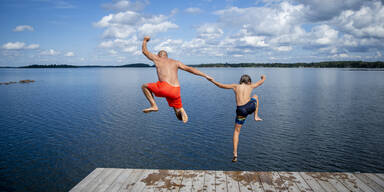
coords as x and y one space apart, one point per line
55 131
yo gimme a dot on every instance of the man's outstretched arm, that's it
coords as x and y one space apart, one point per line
148 54
191 70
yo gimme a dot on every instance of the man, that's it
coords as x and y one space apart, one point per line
168 85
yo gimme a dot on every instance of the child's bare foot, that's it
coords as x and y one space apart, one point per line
151 109
234 159
257 118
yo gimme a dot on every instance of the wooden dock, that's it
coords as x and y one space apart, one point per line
137 180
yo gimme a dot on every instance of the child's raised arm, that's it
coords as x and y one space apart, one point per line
260 82
224 86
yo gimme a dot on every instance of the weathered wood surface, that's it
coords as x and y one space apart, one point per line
109 179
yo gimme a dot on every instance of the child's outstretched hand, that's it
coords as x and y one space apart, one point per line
263 77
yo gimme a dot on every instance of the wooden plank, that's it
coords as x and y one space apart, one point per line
254 181
324 180
108 180
289 181
372 184
315 186
278 182
300 182
209 181
176 180
186 184
119 181
380 175
140 182
220 182
267 181
80 186
158 180
132 179
198 181
232 185
375 178
339 186
91 186
352 183
243 181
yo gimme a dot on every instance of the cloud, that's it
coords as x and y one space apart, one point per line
19 45
323 10
50 52
23 28
193 10
70 54
275 20
32 46
368 21
124 5
123 27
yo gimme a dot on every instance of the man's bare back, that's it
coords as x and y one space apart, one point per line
168 85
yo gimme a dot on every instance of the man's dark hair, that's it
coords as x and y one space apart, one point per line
245 79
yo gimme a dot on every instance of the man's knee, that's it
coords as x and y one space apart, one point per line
144 86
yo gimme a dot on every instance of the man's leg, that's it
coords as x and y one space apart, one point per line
257 118
149 96
181 114
236 134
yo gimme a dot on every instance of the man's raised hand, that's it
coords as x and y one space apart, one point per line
147 38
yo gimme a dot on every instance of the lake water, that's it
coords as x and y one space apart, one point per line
70 121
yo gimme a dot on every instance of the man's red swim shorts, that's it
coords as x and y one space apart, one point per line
171 93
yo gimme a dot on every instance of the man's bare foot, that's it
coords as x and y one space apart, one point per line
184 116
151 109
257 118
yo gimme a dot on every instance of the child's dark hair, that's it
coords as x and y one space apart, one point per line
245 79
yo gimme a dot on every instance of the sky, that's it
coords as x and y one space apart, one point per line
110 32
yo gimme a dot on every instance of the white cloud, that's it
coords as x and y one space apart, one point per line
23 28
124 5
149 28
19 45
193 10
368 21
323 10
32 46
256 41
283 48
276 20
14 45
70 54
125 24
50 52
209 31
324 35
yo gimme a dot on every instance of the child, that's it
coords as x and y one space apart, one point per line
245 104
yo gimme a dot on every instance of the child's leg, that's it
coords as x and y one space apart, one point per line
236 134
181 114
257 118
149 96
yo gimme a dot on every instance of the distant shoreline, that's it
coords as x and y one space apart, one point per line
326 64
